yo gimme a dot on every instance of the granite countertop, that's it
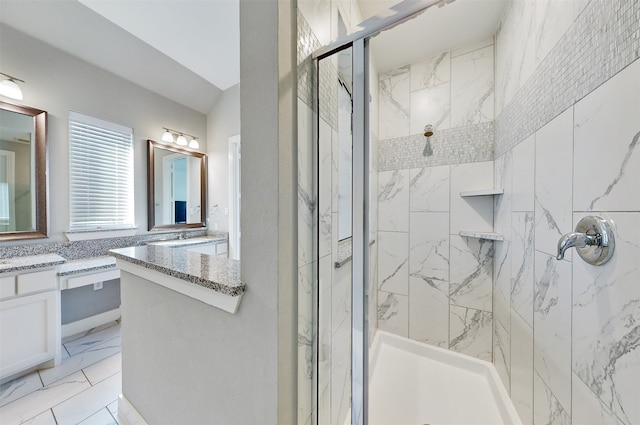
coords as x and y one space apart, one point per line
180 243
220 274
84 265
29 262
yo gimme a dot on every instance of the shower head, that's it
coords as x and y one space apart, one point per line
428 130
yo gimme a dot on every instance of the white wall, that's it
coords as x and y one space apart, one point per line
57 82
222 122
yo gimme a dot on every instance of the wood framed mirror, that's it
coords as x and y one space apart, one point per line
23 173
176 187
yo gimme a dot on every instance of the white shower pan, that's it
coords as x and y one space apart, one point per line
417 384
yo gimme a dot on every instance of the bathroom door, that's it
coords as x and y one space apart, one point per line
7 205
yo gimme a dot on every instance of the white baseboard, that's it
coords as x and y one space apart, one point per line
84 325
127 414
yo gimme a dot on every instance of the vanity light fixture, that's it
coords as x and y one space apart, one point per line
9 87
178 137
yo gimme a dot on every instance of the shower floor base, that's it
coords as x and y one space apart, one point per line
418 384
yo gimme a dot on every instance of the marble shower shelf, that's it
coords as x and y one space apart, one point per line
482 235
485 192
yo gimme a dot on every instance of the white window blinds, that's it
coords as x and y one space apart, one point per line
100 174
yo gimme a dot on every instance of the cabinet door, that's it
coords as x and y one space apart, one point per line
27 331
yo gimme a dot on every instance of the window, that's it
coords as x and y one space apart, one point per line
100 174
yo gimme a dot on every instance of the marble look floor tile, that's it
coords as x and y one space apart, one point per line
83 344
429 189
91 331
89 401
103 369
113 409
45 418
19 387
81 360
102 417
587 408
470 332
37 402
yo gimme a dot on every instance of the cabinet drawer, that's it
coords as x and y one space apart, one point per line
7 287
37 281
90 279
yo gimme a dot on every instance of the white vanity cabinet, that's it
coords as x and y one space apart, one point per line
29 320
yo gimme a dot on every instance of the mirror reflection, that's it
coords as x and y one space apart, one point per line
22 172
176 187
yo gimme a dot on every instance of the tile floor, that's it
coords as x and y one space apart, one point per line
83 390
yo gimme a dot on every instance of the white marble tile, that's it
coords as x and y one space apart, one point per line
95 330
113 409
340 372
305 337
429 246
547 409
325 282
81 360
471 213
554 147
341 296
45 418
431 72
587 408
606 314
103 369
523 181
373 205
502 257
306 197
19 387
522 267
325 188
429 188
607 139
552 325
431 106
522 368
394 104
393 313
393 200
39 401
471 272
470 332
393 262
429 311
317 13
472 88
475 45
89 341
553 19
101 417
502 353
88 402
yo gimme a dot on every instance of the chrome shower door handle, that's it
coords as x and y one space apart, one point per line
593 239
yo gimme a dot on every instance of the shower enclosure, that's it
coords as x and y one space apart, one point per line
462 182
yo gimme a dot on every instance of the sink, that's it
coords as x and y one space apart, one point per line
174 243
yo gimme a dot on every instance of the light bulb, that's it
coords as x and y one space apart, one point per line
9 88
167 136
194 143
181 140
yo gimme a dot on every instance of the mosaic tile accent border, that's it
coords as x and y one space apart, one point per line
472 143
90 248
603 40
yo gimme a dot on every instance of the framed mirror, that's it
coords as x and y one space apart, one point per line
176 187
23 173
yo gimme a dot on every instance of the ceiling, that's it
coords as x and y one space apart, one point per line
189 50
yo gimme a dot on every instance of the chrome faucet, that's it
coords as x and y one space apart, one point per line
575 240
593 239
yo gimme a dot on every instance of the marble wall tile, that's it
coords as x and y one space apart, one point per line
523 181
318 15
522 252
324 336
341 296
587 409
471 213
502 352
306 198
341 373
325 190
471 332
475 45
606 321
431 72
552 325
393 262
471 272
393 201
553 19
472 87
430 106
502 258
429 188
429 311
393 313
394 104
547 409
553 209
522 368
603 123
306 337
